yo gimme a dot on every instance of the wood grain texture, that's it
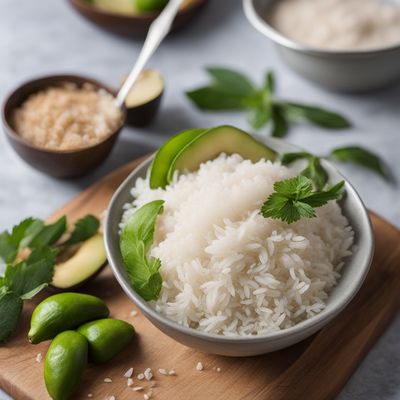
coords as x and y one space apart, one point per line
315 369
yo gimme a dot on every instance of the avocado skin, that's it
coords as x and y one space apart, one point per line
64 311
106 338
167 153
64 365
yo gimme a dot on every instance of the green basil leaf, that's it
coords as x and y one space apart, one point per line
35 271
258 117
288 158
10 310
315 172
230 81
135 241
316 115
214 99
269 83
84 229
49 234
360 156
280 124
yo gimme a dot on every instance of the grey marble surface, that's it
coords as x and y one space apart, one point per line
46 36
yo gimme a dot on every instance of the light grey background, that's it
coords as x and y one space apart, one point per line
46 37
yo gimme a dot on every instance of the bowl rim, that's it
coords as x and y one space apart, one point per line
263 26
52 80
143 17
319 319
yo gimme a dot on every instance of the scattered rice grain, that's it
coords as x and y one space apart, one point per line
148 374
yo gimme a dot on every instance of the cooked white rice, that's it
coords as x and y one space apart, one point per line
228 270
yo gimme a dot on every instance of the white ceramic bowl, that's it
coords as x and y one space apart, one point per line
354 272
351 71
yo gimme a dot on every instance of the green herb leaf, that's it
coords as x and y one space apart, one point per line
293 198
288 158
215 99
318 199
319 116
314 170
258 117
33 230
84 229
32 293
49 234
11 243
269 83
8 249
360 156
280 125
10 310
35 271
230 81
135 241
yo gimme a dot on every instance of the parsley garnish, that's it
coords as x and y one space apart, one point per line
25 276
294 198
84 229
136 239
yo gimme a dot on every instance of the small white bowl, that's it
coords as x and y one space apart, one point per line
350 71
353 275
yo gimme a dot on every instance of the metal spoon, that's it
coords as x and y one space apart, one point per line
157 32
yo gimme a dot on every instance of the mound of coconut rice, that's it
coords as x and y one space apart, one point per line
228 270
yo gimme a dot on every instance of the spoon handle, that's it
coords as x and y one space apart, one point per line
156 34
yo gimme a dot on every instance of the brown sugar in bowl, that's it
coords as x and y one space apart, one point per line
57 163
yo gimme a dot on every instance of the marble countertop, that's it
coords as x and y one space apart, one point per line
46 37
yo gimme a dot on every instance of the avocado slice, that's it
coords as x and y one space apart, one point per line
87 261
125 7
150 5
167 153
222 139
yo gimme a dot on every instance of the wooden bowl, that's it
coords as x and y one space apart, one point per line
133 25
58 163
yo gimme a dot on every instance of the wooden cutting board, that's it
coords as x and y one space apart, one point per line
314 369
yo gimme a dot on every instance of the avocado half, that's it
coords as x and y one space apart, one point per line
144 99
84 264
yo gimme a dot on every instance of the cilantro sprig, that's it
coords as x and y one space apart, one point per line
231 90
27 274
294 198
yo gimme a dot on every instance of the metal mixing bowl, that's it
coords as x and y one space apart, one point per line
345 71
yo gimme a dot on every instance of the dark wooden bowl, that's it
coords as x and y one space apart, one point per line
58 163
133 25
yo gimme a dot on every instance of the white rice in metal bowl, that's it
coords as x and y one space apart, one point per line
227 269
